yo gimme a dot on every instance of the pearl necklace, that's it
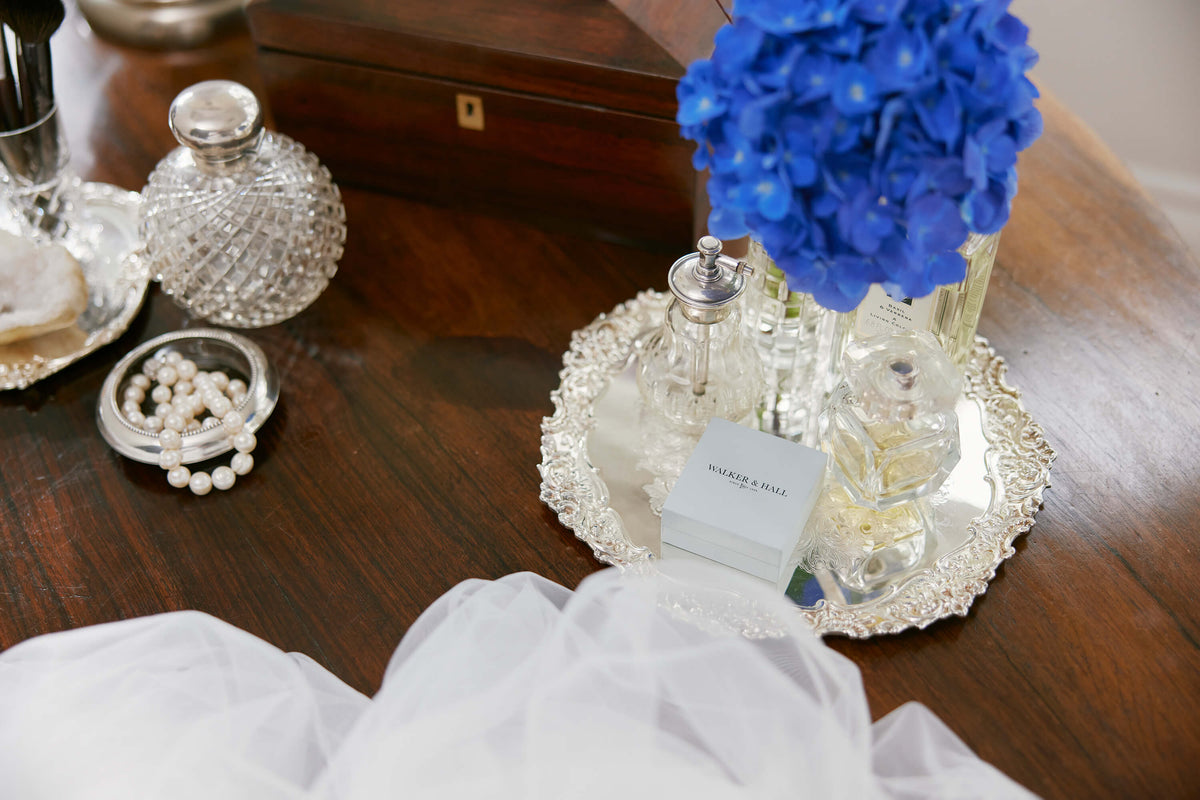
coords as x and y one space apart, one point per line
187 400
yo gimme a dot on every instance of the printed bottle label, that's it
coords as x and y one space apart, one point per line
879 313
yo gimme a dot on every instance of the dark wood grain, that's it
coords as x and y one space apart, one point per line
574 166
402 457
684 28
586 50
576 98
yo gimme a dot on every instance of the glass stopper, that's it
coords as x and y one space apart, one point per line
219 121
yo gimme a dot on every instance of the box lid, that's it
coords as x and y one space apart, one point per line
743 492
621 54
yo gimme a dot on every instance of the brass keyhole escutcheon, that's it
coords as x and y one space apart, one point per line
470 112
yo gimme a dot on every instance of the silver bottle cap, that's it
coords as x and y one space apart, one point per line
219 121
707 282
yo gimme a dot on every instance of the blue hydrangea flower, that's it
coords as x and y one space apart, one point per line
854 90
813 77
898 56
781 17
935 224
699 100
879 12
860 140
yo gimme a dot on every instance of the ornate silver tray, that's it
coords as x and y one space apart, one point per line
117 280
591 479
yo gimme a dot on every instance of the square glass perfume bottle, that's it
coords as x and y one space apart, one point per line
891 432
890 427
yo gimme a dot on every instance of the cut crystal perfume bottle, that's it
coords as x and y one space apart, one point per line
891 432
243 227
865 547
698 365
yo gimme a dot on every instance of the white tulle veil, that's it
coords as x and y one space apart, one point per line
685 681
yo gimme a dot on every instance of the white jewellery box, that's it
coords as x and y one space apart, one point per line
743 499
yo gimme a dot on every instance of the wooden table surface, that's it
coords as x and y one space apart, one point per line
402 457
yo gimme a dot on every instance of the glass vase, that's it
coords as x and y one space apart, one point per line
34 181
800 343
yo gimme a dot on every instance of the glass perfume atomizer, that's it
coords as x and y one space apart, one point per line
698 365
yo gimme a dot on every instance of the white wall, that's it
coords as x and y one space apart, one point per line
1131 70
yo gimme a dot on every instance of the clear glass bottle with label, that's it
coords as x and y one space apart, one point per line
951 313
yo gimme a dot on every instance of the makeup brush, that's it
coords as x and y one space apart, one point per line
34 22
10 109
35 159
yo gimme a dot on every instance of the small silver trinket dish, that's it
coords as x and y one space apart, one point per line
210 349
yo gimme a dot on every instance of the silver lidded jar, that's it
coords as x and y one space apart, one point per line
243 227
